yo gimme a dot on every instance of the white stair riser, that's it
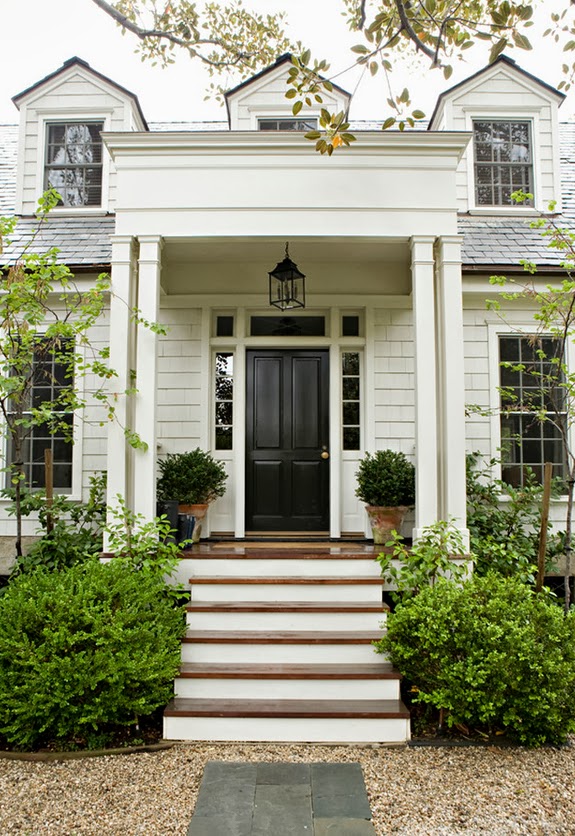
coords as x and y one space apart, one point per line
278 653
287 729
288 689
285 567
371 593
267 621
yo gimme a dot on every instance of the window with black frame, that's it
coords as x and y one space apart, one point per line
503 161
50 381
74 162
533 408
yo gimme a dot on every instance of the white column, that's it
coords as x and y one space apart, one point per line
145 418
124 251
423 294
452 406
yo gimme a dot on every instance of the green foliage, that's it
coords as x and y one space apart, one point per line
420 565
76 528
46 316
386 479
492 654
144 545
83 651
503 521
222 37
193 478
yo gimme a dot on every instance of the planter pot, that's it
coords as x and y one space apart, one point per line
198 512
385 520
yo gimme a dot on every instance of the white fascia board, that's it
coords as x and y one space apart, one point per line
65 77
380 143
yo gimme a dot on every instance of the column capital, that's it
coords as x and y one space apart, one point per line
449 249
421 249
124 248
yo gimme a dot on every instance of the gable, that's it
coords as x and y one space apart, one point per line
263 96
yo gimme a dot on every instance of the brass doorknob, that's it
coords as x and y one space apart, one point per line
325 455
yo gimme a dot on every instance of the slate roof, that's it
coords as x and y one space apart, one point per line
488 241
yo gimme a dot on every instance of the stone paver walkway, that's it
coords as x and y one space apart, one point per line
282 799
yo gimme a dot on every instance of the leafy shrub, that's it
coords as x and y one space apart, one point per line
422 564
386 479
76 533
144 545
82 651
491 653
504 521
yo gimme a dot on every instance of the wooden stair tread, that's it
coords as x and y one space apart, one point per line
287 606
284 554
198 670
282 636
219 579
356 709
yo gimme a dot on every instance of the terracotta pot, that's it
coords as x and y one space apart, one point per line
199 513
385 520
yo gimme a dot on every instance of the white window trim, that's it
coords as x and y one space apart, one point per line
75 494
521 327
514 114
48 117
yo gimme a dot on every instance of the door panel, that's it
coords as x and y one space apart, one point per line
287 427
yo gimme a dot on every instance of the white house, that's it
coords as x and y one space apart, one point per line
396 236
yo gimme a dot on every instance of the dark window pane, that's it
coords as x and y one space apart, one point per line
287 326
351 438
224 413
350 326
62 476
225 326
223 438
350 388
350 363
351 412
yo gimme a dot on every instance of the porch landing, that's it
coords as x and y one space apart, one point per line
279 646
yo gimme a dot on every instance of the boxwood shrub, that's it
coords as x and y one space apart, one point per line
83 651
492 653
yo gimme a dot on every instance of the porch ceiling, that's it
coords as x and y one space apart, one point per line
270 250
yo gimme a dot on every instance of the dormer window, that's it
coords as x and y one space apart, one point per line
74 162
287 124
503 161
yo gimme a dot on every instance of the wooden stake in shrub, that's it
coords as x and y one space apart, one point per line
547 475
49 478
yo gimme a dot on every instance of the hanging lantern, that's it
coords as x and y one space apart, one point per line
287 285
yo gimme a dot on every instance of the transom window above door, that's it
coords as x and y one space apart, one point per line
74 162
503 161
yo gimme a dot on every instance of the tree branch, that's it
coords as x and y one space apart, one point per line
410 31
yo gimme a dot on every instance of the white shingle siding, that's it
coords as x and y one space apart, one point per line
394 411
180 392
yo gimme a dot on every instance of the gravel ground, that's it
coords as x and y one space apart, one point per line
412 791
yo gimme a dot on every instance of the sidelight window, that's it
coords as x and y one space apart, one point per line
224 401
350 403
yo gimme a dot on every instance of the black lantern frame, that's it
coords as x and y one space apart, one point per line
287 284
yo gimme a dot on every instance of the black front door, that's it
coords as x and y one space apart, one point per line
287 421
